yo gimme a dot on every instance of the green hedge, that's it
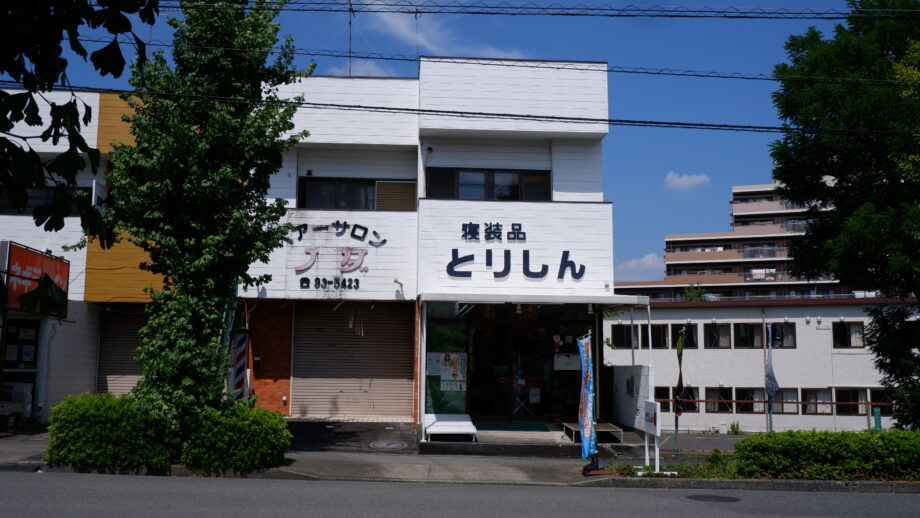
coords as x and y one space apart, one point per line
237 437
111 433
889 455
102 431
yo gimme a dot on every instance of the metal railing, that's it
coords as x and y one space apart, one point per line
751 415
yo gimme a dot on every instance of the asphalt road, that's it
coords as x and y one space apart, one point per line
63 494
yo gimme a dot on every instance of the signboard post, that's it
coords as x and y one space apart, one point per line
651 425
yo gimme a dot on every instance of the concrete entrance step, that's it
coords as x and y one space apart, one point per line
570 451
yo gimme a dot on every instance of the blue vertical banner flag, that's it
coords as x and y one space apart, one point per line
586 401
771 387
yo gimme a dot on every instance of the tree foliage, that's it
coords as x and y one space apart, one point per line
192 191
31 53
862 190
694 293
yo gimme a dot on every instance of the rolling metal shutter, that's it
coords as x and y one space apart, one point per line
118 343
396 195
353 359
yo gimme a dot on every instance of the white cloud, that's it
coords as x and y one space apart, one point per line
362 67
684 182
647 268
434 36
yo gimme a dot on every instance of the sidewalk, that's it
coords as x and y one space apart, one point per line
23 452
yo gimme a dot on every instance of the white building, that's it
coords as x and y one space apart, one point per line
827 376
442 261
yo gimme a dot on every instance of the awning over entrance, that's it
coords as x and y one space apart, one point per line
518 298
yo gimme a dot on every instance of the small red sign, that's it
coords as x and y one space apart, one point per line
25 268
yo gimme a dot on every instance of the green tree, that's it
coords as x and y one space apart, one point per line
862 190
31 54
694 293
192 192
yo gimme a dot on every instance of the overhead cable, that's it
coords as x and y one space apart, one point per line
546 65
510 116
559 9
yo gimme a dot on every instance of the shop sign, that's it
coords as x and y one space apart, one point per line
348 259
36 282
492 234
650 422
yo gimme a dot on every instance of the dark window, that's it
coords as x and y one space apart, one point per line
748 336
848 334
336 193
850 401
881 396
40 198
691 403
663 396
718 400
488 184
750 400
717 336
621 336
782 335
786 401
659 336
689 335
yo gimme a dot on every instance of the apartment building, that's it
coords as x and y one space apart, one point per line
814 327
439 263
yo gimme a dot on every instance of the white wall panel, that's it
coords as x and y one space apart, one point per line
283 184
577 170
89 131
73 346
583 229
487 153
344 162
386 272
530 90
339 126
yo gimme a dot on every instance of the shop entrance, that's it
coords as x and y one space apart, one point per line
521 362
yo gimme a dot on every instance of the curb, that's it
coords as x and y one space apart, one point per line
283 473
833 486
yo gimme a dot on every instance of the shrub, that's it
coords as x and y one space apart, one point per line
890 455
716 465
624 470
236 437
101 431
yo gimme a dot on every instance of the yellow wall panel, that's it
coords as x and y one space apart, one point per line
114 275
113 130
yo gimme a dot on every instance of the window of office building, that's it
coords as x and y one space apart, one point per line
881 400
847 334
717 336
622 336
663 396
488 184
782 335
850 401
786 401
748 336
718 400
659 336
689 332
816 401
690 398
750 400
42 197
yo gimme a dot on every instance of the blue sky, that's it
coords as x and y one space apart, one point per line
660 181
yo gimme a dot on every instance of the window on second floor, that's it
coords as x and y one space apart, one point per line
848 334
488 184
40 198
355 194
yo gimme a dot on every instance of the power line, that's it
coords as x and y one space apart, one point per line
546 65
508 116
558 9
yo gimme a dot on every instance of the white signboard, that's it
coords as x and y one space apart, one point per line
359 255
650 420
486 248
